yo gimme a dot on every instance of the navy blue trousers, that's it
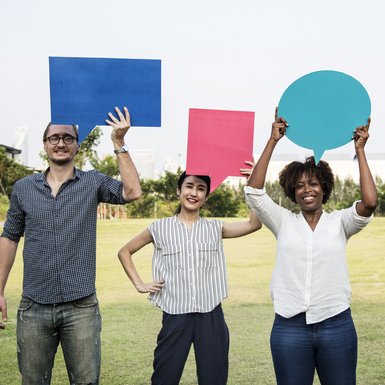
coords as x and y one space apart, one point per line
208 333
330 347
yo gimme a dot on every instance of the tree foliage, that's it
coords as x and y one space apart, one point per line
159 196
160 200
222 202
87 150
381 196
10 172
107 165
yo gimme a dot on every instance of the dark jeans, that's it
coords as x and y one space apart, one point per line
40 328
207 332
330 347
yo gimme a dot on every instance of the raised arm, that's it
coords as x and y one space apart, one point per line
368 202
125 257
238 229
8 250
127 169
258 176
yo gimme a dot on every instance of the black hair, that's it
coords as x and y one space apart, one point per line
205 179
183 176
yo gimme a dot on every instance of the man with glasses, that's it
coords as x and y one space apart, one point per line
56 213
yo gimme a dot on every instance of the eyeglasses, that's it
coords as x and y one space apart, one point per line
55 139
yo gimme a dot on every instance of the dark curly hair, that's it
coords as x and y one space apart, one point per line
293 171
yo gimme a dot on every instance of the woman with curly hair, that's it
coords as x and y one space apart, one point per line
313 328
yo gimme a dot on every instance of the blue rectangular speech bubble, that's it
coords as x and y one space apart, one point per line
84 90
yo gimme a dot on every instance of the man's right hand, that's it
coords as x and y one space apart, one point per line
3 310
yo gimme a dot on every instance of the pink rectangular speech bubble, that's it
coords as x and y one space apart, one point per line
219 142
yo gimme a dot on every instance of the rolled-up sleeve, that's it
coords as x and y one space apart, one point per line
352 221
110 190
267 210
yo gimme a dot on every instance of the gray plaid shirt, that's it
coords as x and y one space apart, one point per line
60 233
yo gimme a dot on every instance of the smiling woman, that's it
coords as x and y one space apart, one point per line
189 284
310 284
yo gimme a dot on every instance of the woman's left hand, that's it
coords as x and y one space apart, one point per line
361 135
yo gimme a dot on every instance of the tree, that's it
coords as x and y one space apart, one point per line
275 191
166 186
222 202
381 196
107 165
10 172
159 196
344 193
87 148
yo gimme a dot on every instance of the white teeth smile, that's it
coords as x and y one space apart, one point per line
308 199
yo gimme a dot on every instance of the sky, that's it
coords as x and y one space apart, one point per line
216 54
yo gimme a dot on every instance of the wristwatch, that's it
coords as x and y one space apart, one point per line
121 150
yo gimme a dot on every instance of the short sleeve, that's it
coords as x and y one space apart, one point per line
110 190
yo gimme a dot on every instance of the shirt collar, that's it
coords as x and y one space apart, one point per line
43 176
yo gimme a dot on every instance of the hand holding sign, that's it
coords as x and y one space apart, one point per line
120 126
323 108
219 142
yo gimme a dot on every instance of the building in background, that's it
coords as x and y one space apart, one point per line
12 152
21 141
144 161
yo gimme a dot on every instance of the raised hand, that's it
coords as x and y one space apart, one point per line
247 171
120 126
361 135
278 128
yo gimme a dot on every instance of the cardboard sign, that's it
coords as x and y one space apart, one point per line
219 142
84 90
323 108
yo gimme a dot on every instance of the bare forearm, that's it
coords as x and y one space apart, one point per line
367 185
128 173
129 176
238 229
129 267
7 257
258 176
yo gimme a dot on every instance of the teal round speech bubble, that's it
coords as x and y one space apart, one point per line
322 109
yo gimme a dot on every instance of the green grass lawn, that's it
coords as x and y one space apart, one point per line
131 323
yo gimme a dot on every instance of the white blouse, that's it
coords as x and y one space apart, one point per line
311 273
191 263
